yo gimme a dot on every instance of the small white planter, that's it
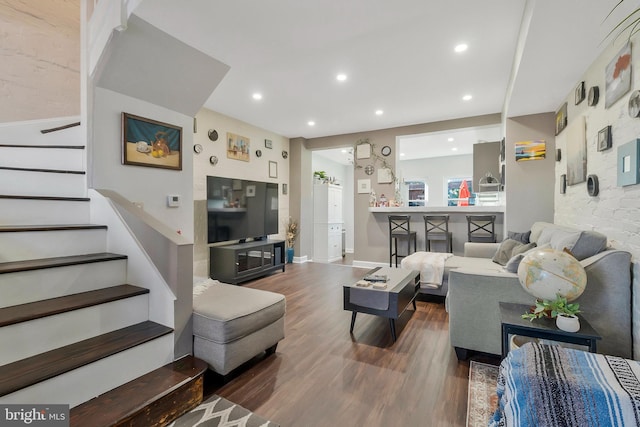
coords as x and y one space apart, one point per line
568 323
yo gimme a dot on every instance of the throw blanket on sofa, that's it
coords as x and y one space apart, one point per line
548 385
429 264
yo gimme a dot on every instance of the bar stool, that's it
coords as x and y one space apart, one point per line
436 227
400 228
481 228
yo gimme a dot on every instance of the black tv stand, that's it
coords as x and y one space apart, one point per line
244 261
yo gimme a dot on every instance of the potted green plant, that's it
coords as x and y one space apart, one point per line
319 175
560 309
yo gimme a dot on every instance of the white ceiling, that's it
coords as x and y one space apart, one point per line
398 56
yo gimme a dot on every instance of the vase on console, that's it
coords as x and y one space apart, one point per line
289 255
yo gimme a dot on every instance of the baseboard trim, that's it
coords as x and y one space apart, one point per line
368 264
300 259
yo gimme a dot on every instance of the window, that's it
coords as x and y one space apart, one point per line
453 192
418 192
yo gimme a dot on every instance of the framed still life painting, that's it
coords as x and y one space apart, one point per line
147 142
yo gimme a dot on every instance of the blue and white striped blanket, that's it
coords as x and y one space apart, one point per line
548 385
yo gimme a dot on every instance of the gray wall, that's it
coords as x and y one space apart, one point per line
530 185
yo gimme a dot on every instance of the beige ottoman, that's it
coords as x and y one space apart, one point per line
233 324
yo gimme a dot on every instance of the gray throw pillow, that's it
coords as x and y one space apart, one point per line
503 254
514 262
520 237
588 244
522 248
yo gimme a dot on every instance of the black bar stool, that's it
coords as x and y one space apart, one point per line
436 227
481 228
400 229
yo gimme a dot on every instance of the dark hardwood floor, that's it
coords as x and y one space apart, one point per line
323 376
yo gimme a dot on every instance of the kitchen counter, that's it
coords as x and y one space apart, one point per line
438 209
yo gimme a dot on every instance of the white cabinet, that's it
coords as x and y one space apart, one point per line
327 219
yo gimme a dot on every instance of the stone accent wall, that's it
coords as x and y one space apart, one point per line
40 67
616 210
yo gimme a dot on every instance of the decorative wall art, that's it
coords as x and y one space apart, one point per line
285 189
604 138
364 186
530 150
576 152
237 147
213 134
147 142
385 176
628 162
268 143
580 93
502 150
273 169
363 151
561 118
563 184
634 104
558 154
594 96
593 188
618 76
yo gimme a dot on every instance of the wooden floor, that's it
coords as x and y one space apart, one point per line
323 376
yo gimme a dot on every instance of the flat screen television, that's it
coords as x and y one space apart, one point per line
239 209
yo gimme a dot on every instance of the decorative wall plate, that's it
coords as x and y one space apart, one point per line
369 169
386 150
594 96
213 134
197 148
592 185
285 154
258 153
213 160
580 93
634 104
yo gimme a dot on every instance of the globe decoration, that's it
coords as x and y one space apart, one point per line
544 273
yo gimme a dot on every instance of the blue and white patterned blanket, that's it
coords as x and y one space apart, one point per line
548 385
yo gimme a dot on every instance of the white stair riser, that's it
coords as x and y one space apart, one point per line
26 212
29 286
38 336
43 158
30 183
28 132
89 381
17 246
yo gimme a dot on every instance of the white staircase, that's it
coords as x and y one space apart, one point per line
71 327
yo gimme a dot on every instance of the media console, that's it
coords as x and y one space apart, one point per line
240 262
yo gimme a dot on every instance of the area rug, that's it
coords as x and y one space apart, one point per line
481 399
219 412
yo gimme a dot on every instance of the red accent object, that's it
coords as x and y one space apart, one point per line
463 194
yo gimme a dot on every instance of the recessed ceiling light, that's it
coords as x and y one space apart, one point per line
379 112
401 154
311 123
454 149
467 98
341 77
461 47
343 151
257 96
450 139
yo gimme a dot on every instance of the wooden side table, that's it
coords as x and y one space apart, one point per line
513 324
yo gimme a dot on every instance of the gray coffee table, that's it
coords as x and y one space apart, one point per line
390 302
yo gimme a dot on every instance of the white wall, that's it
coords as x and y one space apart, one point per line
146 185
257 168
435 171
344 177
616 210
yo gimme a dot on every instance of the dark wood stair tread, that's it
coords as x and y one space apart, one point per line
51 227
49 198
124 402
10 168
49 307
37 264
70 147
32 370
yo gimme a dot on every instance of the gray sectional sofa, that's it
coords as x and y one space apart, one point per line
476 285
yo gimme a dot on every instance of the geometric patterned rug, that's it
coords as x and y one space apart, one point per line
482 400
219 412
